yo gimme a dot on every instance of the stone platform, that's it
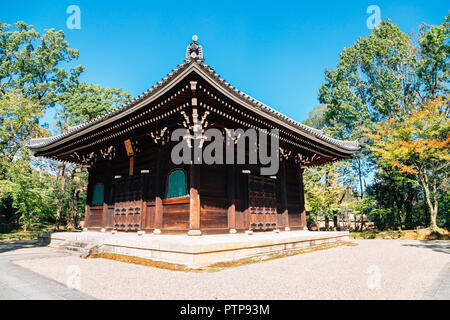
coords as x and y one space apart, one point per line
193 252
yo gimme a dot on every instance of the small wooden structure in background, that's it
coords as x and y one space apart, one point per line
133 184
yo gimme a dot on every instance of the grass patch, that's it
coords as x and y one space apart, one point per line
30 235
421 234
217 266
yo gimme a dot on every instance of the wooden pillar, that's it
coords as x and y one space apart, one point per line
158 193
86 216
194 203
194 170
144 212
231 192
105 214
245 178
302 200
108 212
284 202
89 190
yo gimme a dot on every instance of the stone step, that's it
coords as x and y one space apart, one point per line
82 249
74 248
75 244
70 252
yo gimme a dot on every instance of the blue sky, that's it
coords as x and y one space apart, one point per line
274 51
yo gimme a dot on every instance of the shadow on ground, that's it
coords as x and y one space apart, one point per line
438 246
12 245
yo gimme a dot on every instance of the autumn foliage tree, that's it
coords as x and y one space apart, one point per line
418 145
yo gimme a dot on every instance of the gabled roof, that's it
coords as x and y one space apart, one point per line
194 62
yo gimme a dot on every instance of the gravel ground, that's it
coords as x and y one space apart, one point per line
374 269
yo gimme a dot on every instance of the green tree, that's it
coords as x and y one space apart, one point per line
373 81
19 121
35 76
383 78
434 66
418 146
30 192
81 102
32 63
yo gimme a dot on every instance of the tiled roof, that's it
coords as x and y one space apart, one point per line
349 146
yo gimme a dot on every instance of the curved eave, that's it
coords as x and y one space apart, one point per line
43 144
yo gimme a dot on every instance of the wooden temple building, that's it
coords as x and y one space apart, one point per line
135 186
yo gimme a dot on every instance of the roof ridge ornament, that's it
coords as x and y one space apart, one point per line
194 51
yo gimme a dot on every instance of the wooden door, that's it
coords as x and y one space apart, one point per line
262 203
128 203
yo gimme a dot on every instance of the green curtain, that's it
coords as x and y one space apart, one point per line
176 184
97 198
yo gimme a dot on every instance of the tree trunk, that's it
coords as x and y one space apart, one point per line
408 210
399 218
436 208
361 227
336 223
360 178
433 209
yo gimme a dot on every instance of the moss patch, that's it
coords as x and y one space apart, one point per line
217 266
421 234
140 261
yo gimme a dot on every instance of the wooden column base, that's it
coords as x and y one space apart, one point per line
194 233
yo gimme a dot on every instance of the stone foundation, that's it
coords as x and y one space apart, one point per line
195 252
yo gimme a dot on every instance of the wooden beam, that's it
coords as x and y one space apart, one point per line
129 147
131 166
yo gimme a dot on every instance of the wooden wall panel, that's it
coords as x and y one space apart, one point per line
149 222
292 185
95 216
295 219
214 212
240 220
213 181
176 216
213 218
280 221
